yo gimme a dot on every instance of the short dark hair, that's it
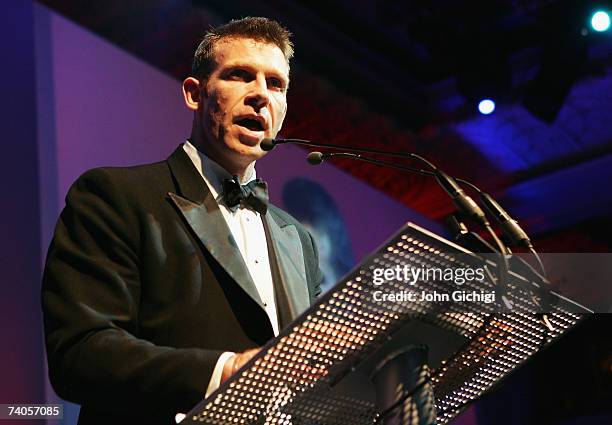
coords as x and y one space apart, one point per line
259 29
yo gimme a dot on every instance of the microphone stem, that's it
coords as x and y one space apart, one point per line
360 150
537 256
503 268
383 163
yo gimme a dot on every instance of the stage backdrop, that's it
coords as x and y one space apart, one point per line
99 106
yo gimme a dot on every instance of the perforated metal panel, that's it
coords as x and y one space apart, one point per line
291 380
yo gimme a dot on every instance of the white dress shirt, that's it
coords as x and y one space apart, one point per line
247 229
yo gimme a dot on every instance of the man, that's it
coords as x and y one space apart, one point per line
162 279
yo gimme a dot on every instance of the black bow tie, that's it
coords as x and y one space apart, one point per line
252 195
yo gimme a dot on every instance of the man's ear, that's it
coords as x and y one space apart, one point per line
191 93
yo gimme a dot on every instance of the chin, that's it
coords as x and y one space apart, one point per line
247 153
248 146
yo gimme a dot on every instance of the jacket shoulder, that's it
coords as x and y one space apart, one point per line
133 178
118 173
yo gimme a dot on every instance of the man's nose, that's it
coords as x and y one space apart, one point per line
258 97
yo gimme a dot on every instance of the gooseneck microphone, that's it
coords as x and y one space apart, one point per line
316 158
267 144
463 202
466 205
509 226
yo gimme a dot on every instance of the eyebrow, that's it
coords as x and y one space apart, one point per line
248 66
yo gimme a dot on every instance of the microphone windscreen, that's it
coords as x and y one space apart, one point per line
267 144
314 158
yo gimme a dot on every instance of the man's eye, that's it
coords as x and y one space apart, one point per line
276 83
239 74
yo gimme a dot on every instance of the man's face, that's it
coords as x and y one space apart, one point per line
244 99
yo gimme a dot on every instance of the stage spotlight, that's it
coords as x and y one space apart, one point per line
486 106
600 21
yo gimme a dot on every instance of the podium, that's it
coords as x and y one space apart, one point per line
367 352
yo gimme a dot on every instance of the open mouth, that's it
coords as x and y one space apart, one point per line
251 124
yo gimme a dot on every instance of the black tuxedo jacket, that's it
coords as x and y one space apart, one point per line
144 287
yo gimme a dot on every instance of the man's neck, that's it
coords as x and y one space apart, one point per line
243 171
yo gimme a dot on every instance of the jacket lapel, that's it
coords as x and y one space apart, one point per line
202 214
290 260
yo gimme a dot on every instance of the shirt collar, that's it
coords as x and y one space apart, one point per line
212 173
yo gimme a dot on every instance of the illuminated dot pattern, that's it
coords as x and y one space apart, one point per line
290 381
